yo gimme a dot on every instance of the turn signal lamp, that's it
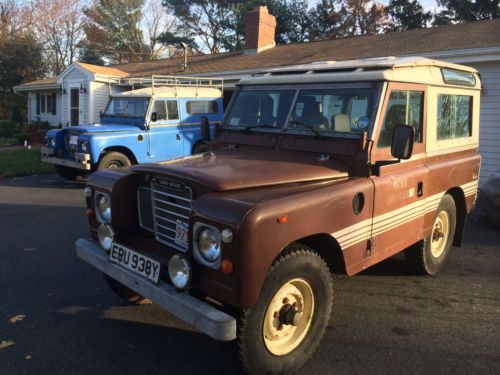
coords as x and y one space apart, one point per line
227 266
89 213
283 219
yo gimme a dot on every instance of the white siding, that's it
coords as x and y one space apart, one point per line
75 79
99 95
53 120
489 134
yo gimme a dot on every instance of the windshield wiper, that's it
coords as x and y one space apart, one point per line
310 127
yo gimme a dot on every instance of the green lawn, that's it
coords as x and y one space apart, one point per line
22 163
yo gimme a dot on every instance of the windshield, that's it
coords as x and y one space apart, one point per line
320 111
127 107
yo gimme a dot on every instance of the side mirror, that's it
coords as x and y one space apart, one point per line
101 115
154 116
205 128
402 142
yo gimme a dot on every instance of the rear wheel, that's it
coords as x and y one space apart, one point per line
201 148
282 330
428 256
114 160
125 293
70 174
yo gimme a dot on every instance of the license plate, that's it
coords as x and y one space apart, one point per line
135 262
73 139
181 234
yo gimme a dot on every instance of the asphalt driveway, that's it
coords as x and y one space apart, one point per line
385 320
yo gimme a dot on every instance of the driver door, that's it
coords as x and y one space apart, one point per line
165 134
400 189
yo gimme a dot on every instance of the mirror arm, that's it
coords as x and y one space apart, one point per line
380 163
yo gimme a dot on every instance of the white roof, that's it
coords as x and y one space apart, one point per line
399 69
173 92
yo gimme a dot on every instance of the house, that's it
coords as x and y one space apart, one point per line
81 91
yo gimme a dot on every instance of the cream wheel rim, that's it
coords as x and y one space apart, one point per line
440 233
288 317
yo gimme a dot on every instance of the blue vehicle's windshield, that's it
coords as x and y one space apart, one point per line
127 107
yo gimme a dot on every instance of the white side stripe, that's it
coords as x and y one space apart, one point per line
382 223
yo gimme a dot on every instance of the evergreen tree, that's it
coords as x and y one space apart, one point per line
406 15
467 10
112 27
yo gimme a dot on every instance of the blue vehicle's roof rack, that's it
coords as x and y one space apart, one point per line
157 81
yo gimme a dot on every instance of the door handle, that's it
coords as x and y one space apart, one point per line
420 189
177 137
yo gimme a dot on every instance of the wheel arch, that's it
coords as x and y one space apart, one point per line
324 245
121 149
459 197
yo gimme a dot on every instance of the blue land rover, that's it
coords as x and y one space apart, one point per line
148 124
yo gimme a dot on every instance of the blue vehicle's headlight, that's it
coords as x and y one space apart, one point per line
50 142
84 146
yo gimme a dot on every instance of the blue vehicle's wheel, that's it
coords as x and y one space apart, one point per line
113 160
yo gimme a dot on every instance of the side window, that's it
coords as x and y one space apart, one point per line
202 107
454 116
172 110
160 109
403 108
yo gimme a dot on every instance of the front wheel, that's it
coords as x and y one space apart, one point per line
114 160
70 174
280 333
427 257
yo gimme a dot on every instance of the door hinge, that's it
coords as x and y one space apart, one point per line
369 247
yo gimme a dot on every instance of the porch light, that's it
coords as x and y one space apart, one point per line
83 90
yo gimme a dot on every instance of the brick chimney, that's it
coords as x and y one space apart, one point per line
260 27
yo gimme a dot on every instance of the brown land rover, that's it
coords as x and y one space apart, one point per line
327 166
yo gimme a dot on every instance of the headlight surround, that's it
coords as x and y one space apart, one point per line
105 235
103 207
50 141
179 271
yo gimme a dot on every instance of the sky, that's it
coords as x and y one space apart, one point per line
427 4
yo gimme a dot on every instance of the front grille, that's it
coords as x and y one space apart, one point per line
170 201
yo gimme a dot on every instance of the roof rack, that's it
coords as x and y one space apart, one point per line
156 81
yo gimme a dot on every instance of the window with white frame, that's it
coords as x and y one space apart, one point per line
46 104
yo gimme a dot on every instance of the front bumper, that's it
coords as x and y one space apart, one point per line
203 316
82 161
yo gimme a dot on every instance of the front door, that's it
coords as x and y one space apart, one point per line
400 189
74 106
165 134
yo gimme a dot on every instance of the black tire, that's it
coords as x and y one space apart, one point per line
70 174
201 148
298 262
420 257
114 160
125 293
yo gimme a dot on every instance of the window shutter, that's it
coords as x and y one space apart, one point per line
54 101
37 104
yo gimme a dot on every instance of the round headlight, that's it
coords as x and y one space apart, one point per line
105 235
52 142
209 244
104 207
179 271
84 146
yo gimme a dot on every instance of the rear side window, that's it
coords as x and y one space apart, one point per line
456 77
454 116
202 107
403 108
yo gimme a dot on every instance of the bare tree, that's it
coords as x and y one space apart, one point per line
156 21
59 27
